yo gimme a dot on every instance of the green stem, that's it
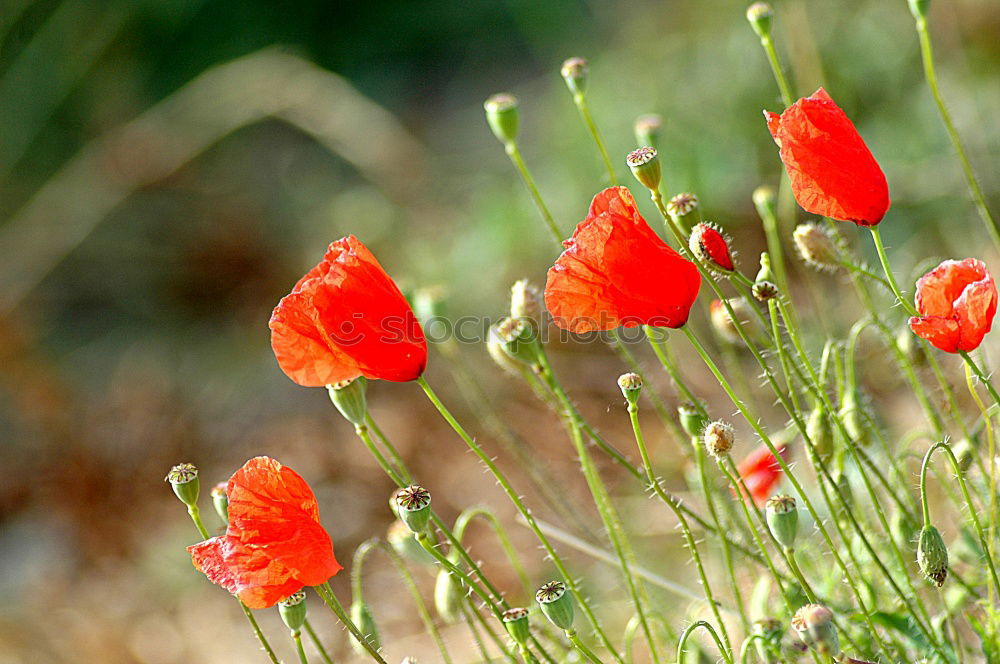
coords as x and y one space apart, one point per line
582 647
515 561
330 599
779 74
522 510
927 55
522 169
581 103
297 638
316 642
682 642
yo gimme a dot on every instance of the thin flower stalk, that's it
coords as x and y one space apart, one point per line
686 634
330 599
580 100
465 519
314 637
990 472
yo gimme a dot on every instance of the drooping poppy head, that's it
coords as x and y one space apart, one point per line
346 318
956 301
761 472
274 544
833 172
615 271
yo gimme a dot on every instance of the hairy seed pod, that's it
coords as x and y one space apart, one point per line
932 555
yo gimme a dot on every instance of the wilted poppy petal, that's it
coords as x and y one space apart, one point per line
957 301
616 271
246 572
940 332
833 173
974 311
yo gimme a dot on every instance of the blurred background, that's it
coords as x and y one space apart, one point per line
169 168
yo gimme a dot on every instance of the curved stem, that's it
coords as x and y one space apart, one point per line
462 522
682 642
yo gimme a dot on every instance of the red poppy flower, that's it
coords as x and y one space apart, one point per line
346 318
957 301
274 544
761 472
616 271
833 172
709 244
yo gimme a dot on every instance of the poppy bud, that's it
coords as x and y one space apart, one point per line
292 610
765 273
519 340
362 617
401 539
919 8
718 438
711 247
515 621
782 519
964 452
494 346
647 129
502 116
556 603
765 200
645 166
723 323
820 433
413 504
760 14
814 625
816 247
932 555
631 386
526 301
685 211
448 596
220 500
910 348
349 398
692 421
764 290
852 415
574 71
183 480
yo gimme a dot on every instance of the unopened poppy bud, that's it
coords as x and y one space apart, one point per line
556 604
765 200
362 617
647 130
495 347
783 519
932 555
183 480
631 387
919 8
711 247
448 596
852 415
820 433
760 15
964 453
526 301
292 610
685 211
692 420
723 322
718 438
814 625
413 505
519 340
815 246
515 621
645 166
349 398
502 116
574 71
910 347
401 539
764 290
220 501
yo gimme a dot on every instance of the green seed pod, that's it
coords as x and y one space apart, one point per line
692 421
820 432
515 621
645 166
760 15
852 416
764 290
349 398
814 625
183 480
647 130
502 116
718 438
292 610
220 501
631 387
783 519
365 621
401 539
685 211
932 555
448 595
575 71
413 504
556 604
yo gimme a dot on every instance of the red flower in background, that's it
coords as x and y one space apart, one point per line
833 172
346 318
616 271
761 472
274 544
957 301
